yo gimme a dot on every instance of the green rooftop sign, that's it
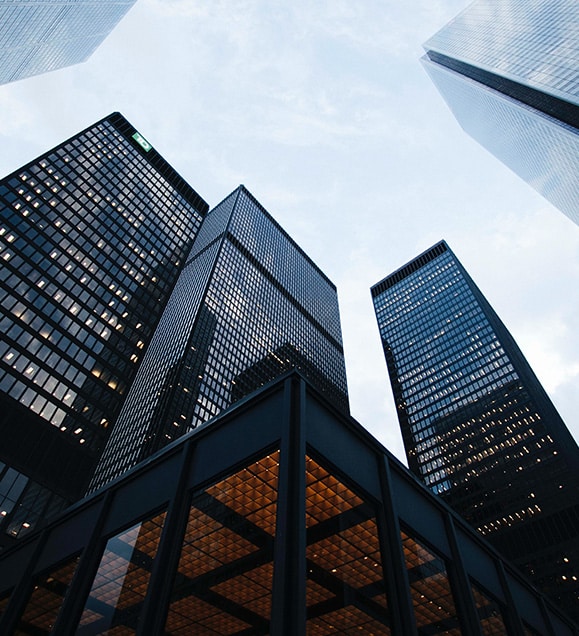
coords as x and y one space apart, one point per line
145 145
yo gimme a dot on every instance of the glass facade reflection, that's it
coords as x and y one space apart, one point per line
225 570
93 235
345 589
478 428
513 67
432 596
248 306
36 37
39 616
283 517
121 581
489 613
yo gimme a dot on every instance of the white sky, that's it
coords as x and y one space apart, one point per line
322 109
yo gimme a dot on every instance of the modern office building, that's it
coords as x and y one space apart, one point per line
93 236
509 71
478 428
36 37
283 517
248 305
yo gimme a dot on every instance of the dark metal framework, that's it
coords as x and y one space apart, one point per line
283 516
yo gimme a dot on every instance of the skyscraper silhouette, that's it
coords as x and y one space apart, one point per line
248 306
478 428
93 236
509 71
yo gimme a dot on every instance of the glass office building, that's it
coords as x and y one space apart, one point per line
509 71
249 305
36 37
93 236
478 428
283 517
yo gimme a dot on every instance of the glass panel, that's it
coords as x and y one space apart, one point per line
46 600
345 590
430 589
120 585
489 613
4 600
530 631
225 573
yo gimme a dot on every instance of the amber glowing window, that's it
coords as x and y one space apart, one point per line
430 589
225 572
46 599
489 613
120 584
345 591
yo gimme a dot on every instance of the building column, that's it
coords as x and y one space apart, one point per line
75 599
153 616
400 606
288 615
460 583
22 590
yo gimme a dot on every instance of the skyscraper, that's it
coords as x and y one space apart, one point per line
509 71
478 428
248 305
36 37
93 236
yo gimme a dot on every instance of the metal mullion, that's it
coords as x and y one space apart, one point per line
460 583
153 615
75 599
22 590
512 614
396 576
288 616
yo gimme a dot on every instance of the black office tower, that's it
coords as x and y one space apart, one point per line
248 306
478 428
93 236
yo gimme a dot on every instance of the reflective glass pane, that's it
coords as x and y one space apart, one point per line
46 600
345 591
430 589
489 613
120 585
225 573
4 600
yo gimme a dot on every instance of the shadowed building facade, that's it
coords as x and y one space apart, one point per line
36 37
283 517
478 428
93 236
249 305
509 71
